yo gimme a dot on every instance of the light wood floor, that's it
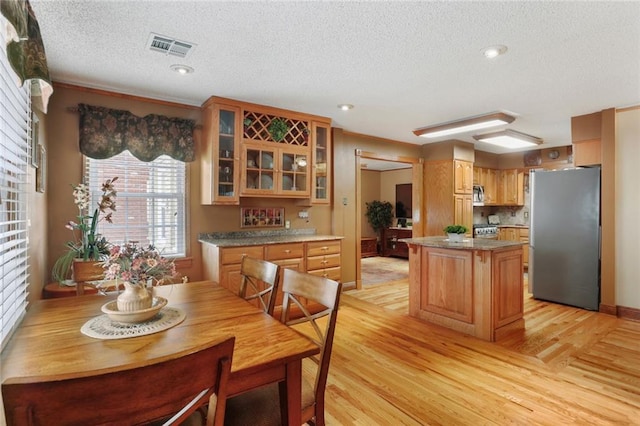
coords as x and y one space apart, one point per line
569 366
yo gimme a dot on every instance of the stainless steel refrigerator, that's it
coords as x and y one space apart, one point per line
564 241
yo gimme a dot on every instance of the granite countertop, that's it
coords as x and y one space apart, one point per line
260 238
513 226
466 244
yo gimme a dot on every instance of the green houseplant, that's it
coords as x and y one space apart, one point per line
379 215
455 232
278 129
88 244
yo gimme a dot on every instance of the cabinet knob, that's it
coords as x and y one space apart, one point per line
325 248
324 262
287 251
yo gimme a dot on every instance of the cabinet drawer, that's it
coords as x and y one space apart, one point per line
234 254
283 251
524 232
331 273
323 262
318 248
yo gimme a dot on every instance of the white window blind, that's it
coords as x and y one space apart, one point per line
150 205
15 126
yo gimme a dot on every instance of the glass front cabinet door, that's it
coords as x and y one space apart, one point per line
221 159
321 170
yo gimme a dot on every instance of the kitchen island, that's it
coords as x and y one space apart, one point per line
475 286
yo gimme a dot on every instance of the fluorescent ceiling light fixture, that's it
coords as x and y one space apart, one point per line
509 139
181 69
345 107
494 51
465 125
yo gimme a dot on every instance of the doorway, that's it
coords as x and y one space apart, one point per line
380 161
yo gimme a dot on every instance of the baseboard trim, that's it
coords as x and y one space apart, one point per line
608 309
629 313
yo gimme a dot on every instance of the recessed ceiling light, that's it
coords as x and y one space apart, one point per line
494 51
181 69
345 107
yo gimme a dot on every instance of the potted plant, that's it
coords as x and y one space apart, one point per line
455 232
81 261
278 129
379 215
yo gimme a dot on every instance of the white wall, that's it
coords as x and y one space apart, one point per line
627 208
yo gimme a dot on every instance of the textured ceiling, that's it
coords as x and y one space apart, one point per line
403 65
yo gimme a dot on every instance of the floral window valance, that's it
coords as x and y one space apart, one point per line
25 50
106 132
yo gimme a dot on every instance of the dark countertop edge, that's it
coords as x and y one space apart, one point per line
266 240
467 244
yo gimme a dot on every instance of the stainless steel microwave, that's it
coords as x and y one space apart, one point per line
478 195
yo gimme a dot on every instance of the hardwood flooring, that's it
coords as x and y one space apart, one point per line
569 366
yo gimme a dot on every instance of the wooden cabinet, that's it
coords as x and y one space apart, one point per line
323 259
501 187
511 187
321 164
220 157
270 171
463 177
490 182
288 256
244 155
368 247
390 244
517 234
222 264
478 292
463 211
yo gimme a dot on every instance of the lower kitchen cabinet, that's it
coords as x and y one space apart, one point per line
222 264
323 259
517 233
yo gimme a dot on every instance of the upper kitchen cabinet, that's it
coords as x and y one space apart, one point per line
275 153
321 170
220 154
463 177
511 187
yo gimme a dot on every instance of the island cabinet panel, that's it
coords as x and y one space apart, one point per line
509 287
452 298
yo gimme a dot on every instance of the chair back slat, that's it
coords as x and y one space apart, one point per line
259 282
138 395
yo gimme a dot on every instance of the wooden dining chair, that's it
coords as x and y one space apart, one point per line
172 389
263 406
259 282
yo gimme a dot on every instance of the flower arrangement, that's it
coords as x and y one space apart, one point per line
89 244
137 264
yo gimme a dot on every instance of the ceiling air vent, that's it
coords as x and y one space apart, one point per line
169 46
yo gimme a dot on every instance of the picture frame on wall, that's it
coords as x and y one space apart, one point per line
35 131
261 217
41 173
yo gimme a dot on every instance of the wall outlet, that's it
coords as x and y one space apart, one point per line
287 224
513 214
526 215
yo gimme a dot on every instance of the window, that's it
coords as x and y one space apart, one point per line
15 123
150 206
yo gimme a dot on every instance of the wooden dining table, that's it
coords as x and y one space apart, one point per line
49 344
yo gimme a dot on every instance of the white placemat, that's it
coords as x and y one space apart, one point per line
102 327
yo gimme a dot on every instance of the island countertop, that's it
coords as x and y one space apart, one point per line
466 244
257 238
